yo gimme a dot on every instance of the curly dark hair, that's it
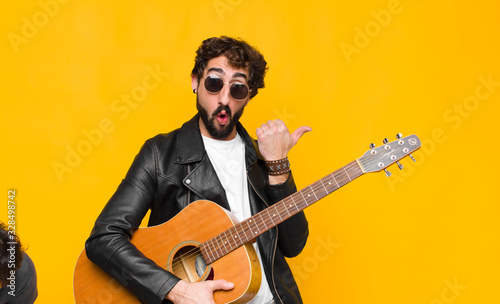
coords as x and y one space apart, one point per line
6 257
239 54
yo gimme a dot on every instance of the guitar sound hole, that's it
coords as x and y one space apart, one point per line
189 264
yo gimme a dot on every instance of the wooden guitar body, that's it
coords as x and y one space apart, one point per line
174 246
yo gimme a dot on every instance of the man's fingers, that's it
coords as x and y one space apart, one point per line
222 285
259 132
299 132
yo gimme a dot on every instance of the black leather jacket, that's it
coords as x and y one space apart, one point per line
171 171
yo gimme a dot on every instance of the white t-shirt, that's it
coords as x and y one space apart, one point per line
228 159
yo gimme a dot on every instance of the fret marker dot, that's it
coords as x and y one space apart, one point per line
309 195
329 183
274 214
290 205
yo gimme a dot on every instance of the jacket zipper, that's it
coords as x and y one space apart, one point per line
189 191
275 242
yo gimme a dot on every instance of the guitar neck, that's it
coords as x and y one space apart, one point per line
247 230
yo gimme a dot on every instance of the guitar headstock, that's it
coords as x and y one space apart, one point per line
377 159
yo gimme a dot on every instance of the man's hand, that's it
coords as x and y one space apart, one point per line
197 293
275 141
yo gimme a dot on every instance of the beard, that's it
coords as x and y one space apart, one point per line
210 123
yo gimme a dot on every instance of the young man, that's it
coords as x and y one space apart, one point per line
210 157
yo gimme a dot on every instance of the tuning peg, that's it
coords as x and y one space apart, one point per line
400 166
385 141
372 145
398 136
387 173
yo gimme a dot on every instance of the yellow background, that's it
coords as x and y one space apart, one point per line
416 70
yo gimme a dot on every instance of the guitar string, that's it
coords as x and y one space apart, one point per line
177 263
268 220
315 187
192 254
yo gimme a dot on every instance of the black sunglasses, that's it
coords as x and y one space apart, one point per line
214 84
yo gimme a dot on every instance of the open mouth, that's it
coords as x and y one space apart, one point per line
222 118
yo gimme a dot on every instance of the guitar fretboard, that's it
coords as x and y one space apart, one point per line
247 230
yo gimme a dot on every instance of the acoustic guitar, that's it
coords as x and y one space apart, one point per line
205 241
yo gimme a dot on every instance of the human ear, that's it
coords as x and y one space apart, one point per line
194 83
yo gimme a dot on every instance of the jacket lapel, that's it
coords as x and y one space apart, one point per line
204 182
254 173
201 178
